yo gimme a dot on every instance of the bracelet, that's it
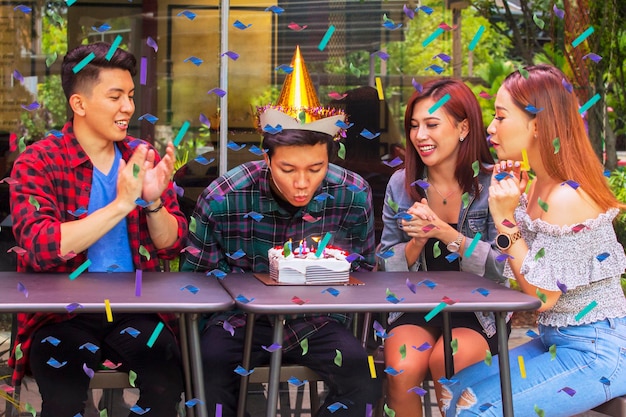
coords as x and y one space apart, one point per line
147 210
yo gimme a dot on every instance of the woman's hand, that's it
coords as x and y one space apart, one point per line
505 190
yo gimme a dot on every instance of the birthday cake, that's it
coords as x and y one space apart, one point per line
302 266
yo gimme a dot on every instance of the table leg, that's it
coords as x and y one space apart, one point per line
275 363
247 350
447 345
184 351
503 361
195 360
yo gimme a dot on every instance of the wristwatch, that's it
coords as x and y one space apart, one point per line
456 245
505 240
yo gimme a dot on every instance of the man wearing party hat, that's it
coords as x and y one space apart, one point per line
294 193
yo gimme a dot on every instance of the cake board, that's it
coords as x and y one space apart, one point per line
265 279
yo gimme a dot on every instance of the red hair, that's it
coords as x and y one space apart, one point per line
461 105
560 118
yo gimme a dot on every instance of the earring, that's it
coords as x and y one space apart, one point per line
461 139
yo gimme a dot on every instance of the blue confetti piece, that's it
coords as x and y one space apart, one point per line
188 14
393 299
242 371
78 212
532 334
532 109
605 381
240 25
272 348
336 406
131 331
232 55
403 215
452 256
256 150
253 215
102 28
235 147
194 60
424 346
482 291
391 25
355 189
394 162
420 183
202 160
445 58
55 363
272 130
217 91
501 175
343 125
192 289
354 257
392 371
55 133
571 183
193 402
243 299
484 407
427 283
90 347
287 69
426 9
218 273
32 106
438 69
149 118
445 381
369 135
417 390
23 9
411 286
72 306
234 256
384 255
138 410
323 196
332 291
52 340
603 256
275 9
142 203
296 382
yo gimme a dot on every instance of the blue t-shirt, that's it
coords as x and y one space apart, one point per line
111 253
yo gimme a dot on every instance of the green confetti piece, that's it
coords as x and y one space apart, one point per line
103 413
586 310
541 296
21 144
394 206
304 344
341 153
544 206
539 411
523 72
18 352
454 344
476 168
354 70
488 358
436 250
302 117
389 412
287 249
557 145
136 170
540 254
552 350
50 59
132 377
338 358
30 409
465 198
472 245
403 351
538 21
33 201
192 225
144 252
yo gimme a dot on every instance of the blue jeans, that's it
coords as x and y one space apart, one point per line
587 369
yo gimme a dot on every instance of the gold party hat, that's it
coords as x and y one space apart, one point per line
298 106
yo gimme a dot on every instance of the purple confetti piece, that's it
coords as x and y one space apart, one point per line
254 216
204 120
217 197
381 54
152 44
232 55
394 162
202 160
73 306
603 256
18 76
228 327
102 28
378 327
418 87
143 72
191 288
411 286
22 288
569 87
482 291
569 391
410 13
236 255
561 286
88 371
445 58
418 390
240 25
558 12
594 57
420 183
242 371
32 106
571 183
332 291
272 348
194 60
503 257
369 135
354 257
149 118
188 14
138 282
180 191
424 346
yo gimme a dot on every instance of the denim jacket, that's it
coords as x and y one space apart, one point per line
473 219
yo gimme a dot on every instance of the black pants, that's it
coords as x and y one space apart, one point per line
64 388
351 383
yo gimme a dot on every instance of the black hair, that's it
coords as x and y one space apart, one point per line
298 137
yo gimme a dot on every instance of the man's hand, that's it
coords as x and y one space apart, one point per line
158 177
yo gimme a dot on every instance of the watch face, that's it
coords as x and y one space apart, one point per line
503 241
453 247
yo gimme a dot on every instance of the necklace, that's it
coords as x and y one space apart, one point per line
445 198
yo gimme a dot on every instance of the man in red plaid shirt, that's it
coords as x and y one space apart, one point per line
92 194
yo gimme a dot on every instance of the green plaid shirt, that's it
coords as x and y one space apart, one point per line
227 220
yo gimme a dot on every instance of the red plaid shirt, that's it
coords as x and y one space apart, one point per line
53 185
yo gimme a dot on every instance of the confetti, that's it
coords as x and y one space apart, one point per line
488 357
298 300
482 291
392 371
424 346
417 390
586 310
354 257
418 87
552 350
181 133
88 371
436 250
544 206
432 37
155 334
581 38
601 257
22 288
540 23
256 150
522 368
326 38
18 352
428 283
593 100
485 95
571 183
531 333
217 91
107 309
438 69
254 216
50 59
465 199
403 215
287 69
76 273
191 288
429 227
569 391
380 331
232 55
446 381
114 45
557 145
275 9
336 406
569 87
193 402
89 346
102 28
484 407
73 306
476 38
411 286
508 223
272 348
503 257
594 57
322 245
558 12
394 206
605 381
389 412
144 252
452 257
455 346
310 219
243 299
131 331
296 382
132 377
381 54
369 135
532 109
577 228
540 254
561 286
83 63
392 298
541 295
332 291
23 9
370 361
149 118
432 313
304 345
237 255
472 245
202 160
355 188
152 44
52 340
296 27
8 180
138 410
241 26
338 358
28 407
55 363
523 72
228 327
32 106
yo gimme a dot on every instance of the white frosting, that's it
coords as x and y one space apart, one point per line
296 269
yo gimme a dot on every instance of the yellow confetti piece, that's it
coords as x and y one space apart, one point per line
370 360
338 358
522 368
107 309
379 89
304 344
132 377
525 164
